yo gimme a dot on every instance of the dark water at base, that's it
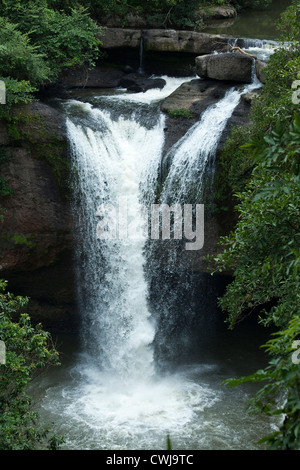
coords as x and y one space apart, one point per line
185 400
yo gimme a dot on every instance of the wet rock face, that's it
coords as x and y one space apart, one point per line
36 230
36 221
228 66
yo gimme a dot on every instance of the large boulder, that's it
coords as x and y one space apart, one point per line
228 66
260 67
170 40
195 95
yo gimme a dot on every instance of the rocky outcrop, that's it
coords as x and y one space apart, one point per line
193 96
196 96
164 40
183 41
101 76
229 66
36 232
137 84
260 67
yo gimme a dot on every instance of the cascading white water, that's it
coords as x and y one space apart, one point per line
116 162
189 179
260 48
115 166
110 165
192 154
115 398
195 152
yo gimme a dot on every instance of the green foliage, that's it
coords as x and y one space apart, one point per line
263 251
18 58
179 13
21 66
17 91
240 4
273 103
180 113
37 43
4 189
64 40
275 100
279 397
28 349
164 13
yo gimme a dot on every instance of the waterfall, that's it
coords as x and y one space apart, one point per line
195 152
116 158
141 65
110 164
253 42
189 180
117 396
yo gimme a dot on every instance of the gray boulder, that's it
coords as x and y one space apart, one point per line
260 66
136 84
227 66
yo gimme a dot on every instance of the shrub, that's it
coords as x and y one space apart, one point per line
28 349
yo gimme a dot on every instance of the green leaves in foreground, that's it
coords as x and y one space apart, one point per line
28 349
38 43
280 394
263 251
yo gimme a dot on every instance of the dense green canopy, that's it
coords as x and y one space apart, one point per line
263 249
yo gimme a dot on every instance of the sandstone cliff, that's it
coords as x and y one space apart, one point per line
35 233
